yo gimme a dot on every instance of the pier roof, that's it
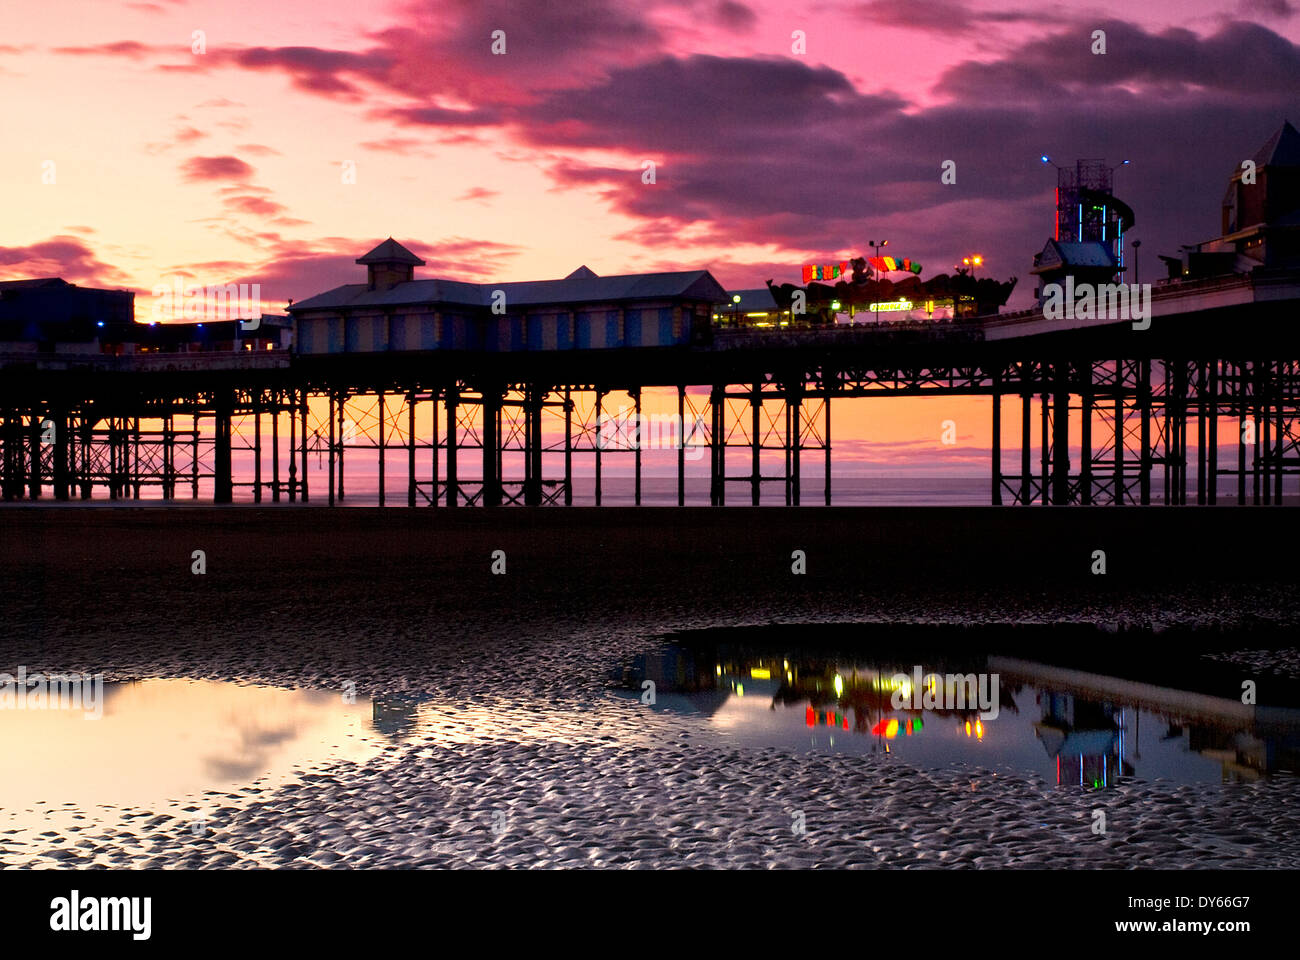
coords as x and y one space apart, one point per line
1061 253
692 284
390 251
34 283
1281 150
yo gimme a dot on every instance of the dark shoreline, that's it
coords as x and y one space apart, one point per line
972 544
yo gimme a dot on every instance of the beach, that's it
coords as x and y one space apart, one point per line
527 755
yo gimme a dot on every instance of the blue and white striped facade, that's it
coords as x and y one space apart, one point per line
393 312
421 328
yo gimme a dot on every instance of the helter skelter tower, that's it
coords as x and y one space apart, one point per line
1087 209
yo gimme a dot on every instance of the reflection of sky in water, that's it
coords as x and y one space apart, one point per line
1080 728
163 741
165 745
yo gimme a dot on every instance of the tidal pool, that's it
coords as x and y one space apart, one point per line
1066 725
169 745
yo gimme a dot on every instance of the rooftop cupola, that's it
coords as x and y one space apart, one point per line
389 264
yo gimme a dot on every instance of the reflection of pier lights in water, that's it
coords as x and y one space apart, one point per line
1212 737
1083 737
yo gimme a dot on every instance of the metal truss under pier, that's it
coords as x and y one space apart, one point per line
1090 432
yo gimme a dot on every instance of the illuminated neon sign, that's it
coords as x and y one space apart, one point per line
891 305
824 272
890 264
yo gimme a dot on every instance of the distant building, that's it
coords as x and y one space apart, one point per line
1088 243
1092 261
1260 220
394 311
269 332
755 307
48 315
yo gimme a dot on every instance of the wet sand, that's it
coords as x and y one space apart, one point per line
534 741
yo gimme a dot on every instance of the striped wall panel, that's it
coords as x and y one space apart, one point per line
421 329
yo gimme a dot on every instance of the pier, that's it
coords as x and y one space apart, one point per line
1103 408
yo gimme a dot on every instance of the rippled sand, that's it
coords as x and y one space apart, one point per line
553 785
1283 662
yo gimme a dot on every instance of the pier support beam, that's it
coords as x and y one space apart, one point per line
343 440
87 438
640 443
34 458
1061 437
381 426
1202 376
293 446
1117 497
1177 406
681 445
1026 447
14 455
434 475
1144 406
410 449
568 446
794 443
303 415
718 446
1085 435
169 455
1212 436
453 482
1045 448
491 444
996 465
828 449
533 397
600 398
756 445
222 479
257 446
62 448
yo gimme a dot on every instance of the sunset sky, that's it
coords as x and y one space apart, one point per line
228 165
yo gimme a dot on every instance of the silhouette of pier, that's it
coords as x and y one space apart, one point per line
1105 406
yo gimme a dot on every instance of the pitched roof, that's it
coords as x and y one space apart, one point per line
412 291
390 251
582 273
1089 253
33 283
632 286
693 284
1281 150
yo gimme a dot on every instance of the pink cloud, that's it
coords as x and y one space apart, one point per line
197 169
